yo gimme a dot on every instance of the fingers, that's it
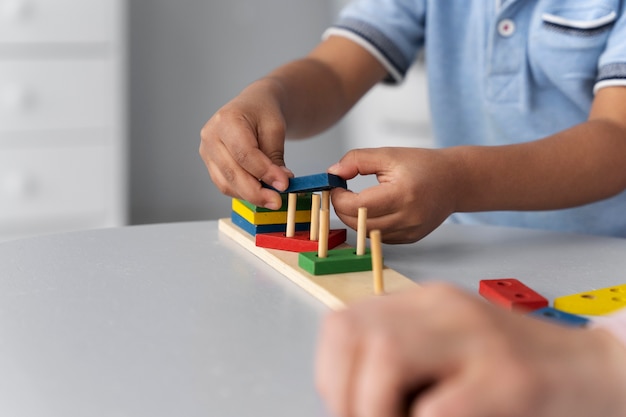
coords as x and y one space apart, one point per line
360 162
487 385
380 200
478 361
232 179
336 356
370 356
237 159
260 152
255 163
240 149
380 380
411 199
384 213
358 369
456 396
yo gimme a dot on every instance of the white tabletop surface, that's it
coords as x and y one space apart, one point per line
178 320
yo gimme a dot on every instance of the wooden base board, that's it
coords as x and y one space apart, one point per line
335 290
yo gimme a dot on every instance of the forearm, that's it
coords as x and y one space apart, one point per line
314 92
309 95
574 167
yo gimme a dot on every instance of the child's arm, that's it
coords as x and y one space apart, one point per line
420 188
244 141
577 166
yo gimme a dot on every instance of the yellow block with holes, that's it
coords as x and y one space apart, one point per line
270 217
593 303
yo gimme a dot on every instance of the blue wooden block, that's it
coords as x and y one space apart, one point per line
312 183
264 228
560 317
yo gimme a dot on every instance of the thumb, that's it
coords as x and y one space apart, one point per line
271 142
277 156
359 161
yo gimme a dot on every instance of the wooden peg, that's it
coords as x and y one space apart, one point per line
322 245
292 201
315 217
326 200
377 262
361 231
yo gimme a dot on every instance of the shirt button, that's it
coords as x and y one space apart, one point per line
506 27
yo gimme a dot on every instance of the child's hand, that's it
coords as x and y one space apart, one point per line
244 143
466 358
417 191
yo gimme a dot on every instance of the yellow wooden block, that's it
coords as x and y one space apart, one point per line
270 217
593 303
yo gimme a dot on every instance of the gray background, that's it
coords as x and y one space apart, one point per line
189 57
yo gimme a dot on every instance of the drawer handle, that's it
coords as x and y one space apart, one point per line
14 10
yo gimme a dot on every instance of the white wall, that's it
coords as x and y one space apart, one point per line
62 116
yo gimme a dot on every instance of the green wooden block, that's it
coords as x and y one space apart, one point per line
339 261
303 203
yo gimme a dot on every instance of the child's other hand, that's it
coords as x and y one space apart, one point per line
244 143
439 352
416 191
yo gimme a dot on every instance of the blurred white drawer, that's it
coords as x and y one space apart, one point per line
46 182
55 94
53 21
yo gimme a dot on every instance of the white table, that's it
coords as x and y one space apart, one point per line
178 320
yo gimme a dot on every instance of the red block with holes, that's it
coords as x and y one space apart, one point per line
511 294
300 242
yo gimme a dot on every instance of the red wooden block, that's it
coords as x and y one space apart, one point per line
511 294
300 242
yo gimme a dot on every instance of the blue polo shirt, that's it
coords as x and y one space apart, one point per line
502 72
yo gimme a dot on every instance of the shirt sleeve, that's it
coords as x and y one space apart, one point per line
612 64
391 30
614 324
